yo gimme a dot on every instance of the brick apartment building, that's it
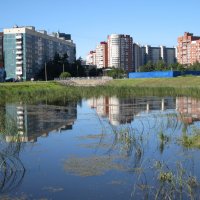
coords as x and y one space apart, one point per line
188 49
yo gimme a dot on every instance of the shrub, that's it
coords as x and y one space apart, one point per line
65 75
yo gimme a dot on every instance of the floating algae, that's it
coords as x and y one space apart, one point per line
91 166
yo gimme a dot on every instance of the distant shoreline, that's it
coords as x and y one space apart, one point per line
39 90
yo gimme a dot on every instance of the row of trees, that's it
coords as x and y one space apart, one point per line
162 66
56 68
60 67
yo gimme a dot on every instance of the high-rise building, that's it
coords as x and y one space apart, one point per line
91 58
168 55
188 49
26 51
120 52
143 54
102 55
1 50
139 56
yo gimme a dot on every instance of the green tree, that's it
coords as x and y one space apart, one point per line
116 73
65 75
160 65
195 66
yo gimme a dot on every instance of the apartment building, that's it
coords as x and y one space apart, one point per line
102 55
168 54
188 49
120 52
1 50
91 58
143 54
26 50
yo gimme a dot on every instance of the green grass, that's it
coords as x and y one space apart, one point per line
179 82
41 90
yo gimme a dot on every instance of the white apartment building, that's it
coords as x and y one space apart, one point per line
91 58
102 55
120 48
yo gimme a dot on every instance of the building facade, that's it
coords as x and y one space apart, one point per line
120 52
26 51
1 50
102 55
188 49
91 58
143 54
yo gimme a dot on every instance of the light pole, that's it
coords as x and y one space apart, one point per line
45 68
63 67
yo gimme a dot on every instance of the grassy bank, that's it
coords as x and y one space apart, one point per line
33 91
179 82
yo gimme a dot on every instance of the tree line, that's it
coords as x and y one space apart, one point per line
60 67
162 66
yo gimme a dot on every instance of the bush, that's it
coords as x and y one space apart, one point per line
65 75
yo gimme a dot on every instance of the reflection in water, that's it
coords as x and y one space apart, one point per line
21 123
33 121
12 169
122 111
134 141
189 109
132 121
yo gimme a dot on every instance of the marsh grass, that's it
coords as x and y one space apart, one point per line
12 169
49 91
191 141
174 183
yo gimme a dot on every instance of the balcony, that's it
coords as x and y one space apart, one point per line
19 42
18 72
18 57
18 36
19 69
19 52
18 47
19 62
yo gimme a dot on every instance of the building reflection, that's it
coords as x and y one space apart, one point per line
33 121
123 110
189 109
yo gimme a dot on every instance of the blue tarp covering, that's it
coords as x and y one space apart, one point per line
162 74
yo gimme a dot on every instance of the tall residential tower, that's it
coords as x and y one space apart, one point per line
102 55
120 52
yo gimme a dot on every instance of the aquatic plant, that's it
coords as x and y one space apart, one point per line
12 169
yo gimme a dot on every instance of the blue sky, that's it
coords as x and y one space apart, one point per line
153 22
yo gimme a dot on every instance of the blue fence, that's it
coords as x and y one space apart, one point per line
162 74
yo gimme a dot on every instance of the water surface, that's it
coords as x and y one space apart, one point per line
100 148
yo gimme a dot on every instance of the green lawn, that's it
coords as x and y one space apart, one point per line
179 82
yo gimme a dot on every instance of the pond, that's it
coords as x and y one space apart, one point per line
101 148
